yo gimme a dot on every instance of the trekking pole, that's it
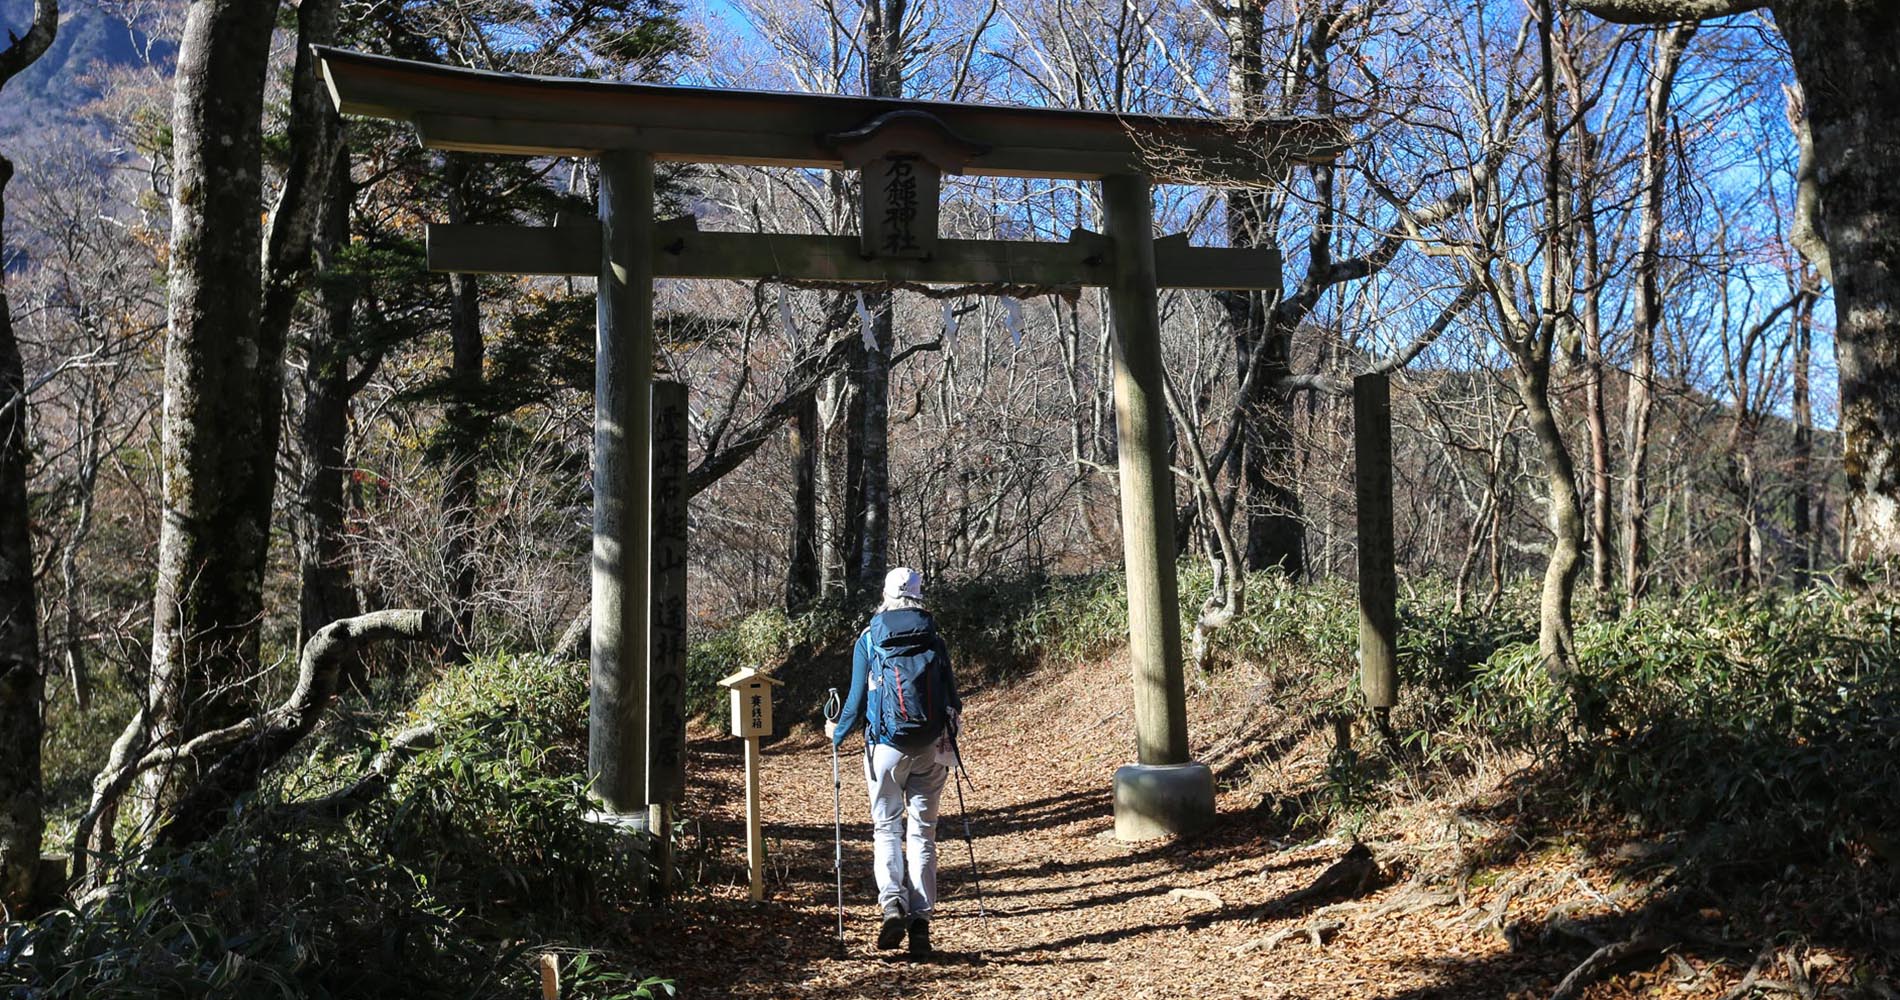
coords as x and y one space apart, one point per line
963 775
833 707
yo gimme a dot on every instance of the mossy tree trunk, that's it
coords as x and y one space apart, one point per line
231 292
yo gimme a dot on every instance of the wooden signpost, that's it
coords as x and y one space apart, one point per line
1378 574
751 720
901 150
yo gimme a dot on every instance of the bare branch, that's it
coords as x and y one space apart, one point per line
26 49
1664 11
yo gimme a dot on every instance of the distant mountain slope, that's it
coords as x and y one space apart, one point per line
89 38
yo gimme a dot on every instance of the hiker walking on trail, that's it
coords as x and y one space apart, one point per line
904 694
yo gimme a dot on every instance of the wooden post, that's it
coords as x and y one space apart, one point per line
666 692
754 829
1147 482
623 373
1378 572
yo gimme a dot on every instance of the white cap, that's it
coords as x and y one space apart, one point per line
903 582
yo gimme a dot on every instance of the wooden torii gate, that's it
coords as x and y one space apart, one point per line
902 149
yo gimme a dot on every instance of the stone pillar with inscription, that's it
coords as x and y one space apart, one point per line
666 628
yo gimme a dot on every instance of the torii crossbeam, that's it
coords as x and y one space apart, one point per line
902 149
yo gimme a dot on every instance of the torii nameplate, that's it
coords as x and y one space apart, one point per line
901 158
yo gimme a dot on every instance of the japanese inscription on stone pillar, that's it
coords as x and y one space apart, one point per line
666 696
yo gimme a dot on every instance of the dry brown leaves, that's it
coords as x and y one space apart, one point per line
1074 913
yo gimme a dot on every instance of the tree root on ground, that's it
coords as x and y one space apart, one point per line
1317 932
1645 941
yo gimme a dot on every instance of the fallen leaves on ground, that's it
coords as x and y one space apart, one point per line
1071 912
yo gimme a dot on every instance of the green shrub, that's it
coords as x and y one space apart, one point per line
475 857
1768 718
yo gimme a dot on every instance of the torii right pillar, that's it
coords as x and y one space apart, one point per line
1164 792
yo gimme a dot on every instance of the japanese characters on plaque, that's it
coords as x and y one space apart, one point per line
900 192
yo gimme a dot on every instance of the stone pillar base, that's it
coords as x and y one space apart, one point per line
635 841
1156 800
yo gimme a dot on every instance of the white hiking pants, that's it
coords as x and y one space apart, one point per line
904 791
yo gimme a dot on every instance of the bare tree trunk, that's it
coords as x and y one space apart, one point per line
22 671
1805 536
22 675
884 77
1595 417
873 446
326 593
1554 637
223 379
1275 530
1847 56
1534 355
802 578
464 436
833 481
1640 403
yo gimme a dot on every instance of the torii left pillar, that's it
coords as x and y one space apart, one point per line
623 381
1165 791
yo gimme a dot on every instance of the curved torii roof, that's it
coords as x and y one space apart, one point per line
479 111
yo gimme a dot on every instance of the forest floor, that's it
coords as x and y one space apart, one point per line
1469 902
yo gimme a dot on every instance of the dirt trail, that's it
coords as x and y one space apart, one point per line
1072 912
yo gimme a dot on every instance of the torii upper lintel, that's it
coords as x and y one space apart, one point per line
478 111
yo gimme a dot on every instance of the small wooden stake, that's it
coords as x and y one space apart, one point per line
550 976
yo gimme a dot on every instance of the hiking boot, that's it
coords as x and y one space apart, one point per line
920 937
891 934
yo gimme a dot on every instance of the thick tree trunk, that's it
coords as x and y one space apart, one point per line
802 579
463 433
22 676
1276 528
1640 402
832 480
326 593
223 380
1847 57
1275 531
22 672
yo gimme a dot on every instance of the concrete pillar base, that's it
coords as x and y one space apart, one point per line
635 841
1156 800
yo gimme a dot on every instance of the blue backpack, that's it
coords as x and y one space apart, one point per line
908 677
